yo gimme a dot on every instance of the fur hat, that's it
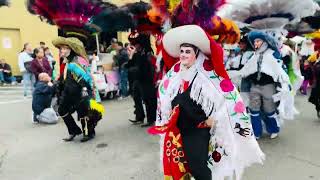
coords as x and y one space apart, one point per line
266 38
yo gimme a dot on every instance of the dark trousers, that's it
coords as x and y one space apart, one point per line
137 98
123 82
196 148
144 94
69 103
73 129
315 97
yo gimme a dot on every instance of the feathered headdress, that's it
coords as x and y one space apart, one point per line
69 15
4 3
306 25
130 16
202 13
269 14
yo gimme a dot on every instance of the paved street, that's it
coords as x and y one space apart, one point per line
122 151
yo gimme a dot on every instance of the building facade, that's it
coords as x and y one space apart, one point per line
18 26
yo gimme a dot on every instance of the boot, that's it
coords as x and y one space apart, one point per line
86 138
135 122
272 124
70 138
256 123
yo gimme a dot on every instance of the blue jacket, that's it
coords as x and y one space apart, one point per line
42 97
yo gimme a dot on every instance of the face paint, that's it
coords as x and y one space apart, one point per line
187 56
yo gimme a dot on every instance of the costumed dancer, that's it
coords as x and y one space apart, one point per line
269 16
198 108
78 93
315 92
265 72
292 67
142 71
246 52
307 49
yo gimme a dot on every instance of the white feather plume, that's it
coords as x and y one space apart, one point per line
242 10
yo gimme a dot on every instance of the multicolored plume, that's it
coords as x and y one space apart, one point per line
183 12
130 16
67 13
201 12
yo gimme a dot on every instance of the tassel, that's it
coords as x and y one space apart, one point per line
96 106
200 96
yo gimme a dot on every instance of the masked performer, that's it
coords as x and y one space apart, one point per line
207 132
265 73
315 92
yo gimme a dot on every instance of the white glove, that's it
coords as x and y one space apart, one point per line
84 92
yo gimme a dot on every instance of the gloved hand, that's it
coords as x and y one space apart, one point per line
84 92
282 93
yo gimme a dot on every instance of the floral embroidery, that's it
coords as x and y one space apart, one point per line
176 68
226 85
207 65
166 83
239 107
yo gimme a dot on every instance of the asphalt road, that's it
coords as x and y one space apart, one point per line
122 151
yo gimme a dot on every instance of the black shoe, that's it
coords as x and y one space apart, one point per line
86 138
36 121
136 121
70 138
318 114
148 124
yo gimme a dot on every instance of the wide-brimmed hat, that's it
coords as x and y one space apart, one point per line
195 35
191 34
74 43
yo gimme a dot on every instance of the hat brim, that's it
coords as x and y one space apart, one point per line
75 46
191 34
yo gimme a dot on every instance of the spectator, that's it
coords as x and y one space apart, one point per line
41 102
25 67
102 48
126 45
94 60
49 57
5 73
40 64
121 59
42 45
113 46
51 60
